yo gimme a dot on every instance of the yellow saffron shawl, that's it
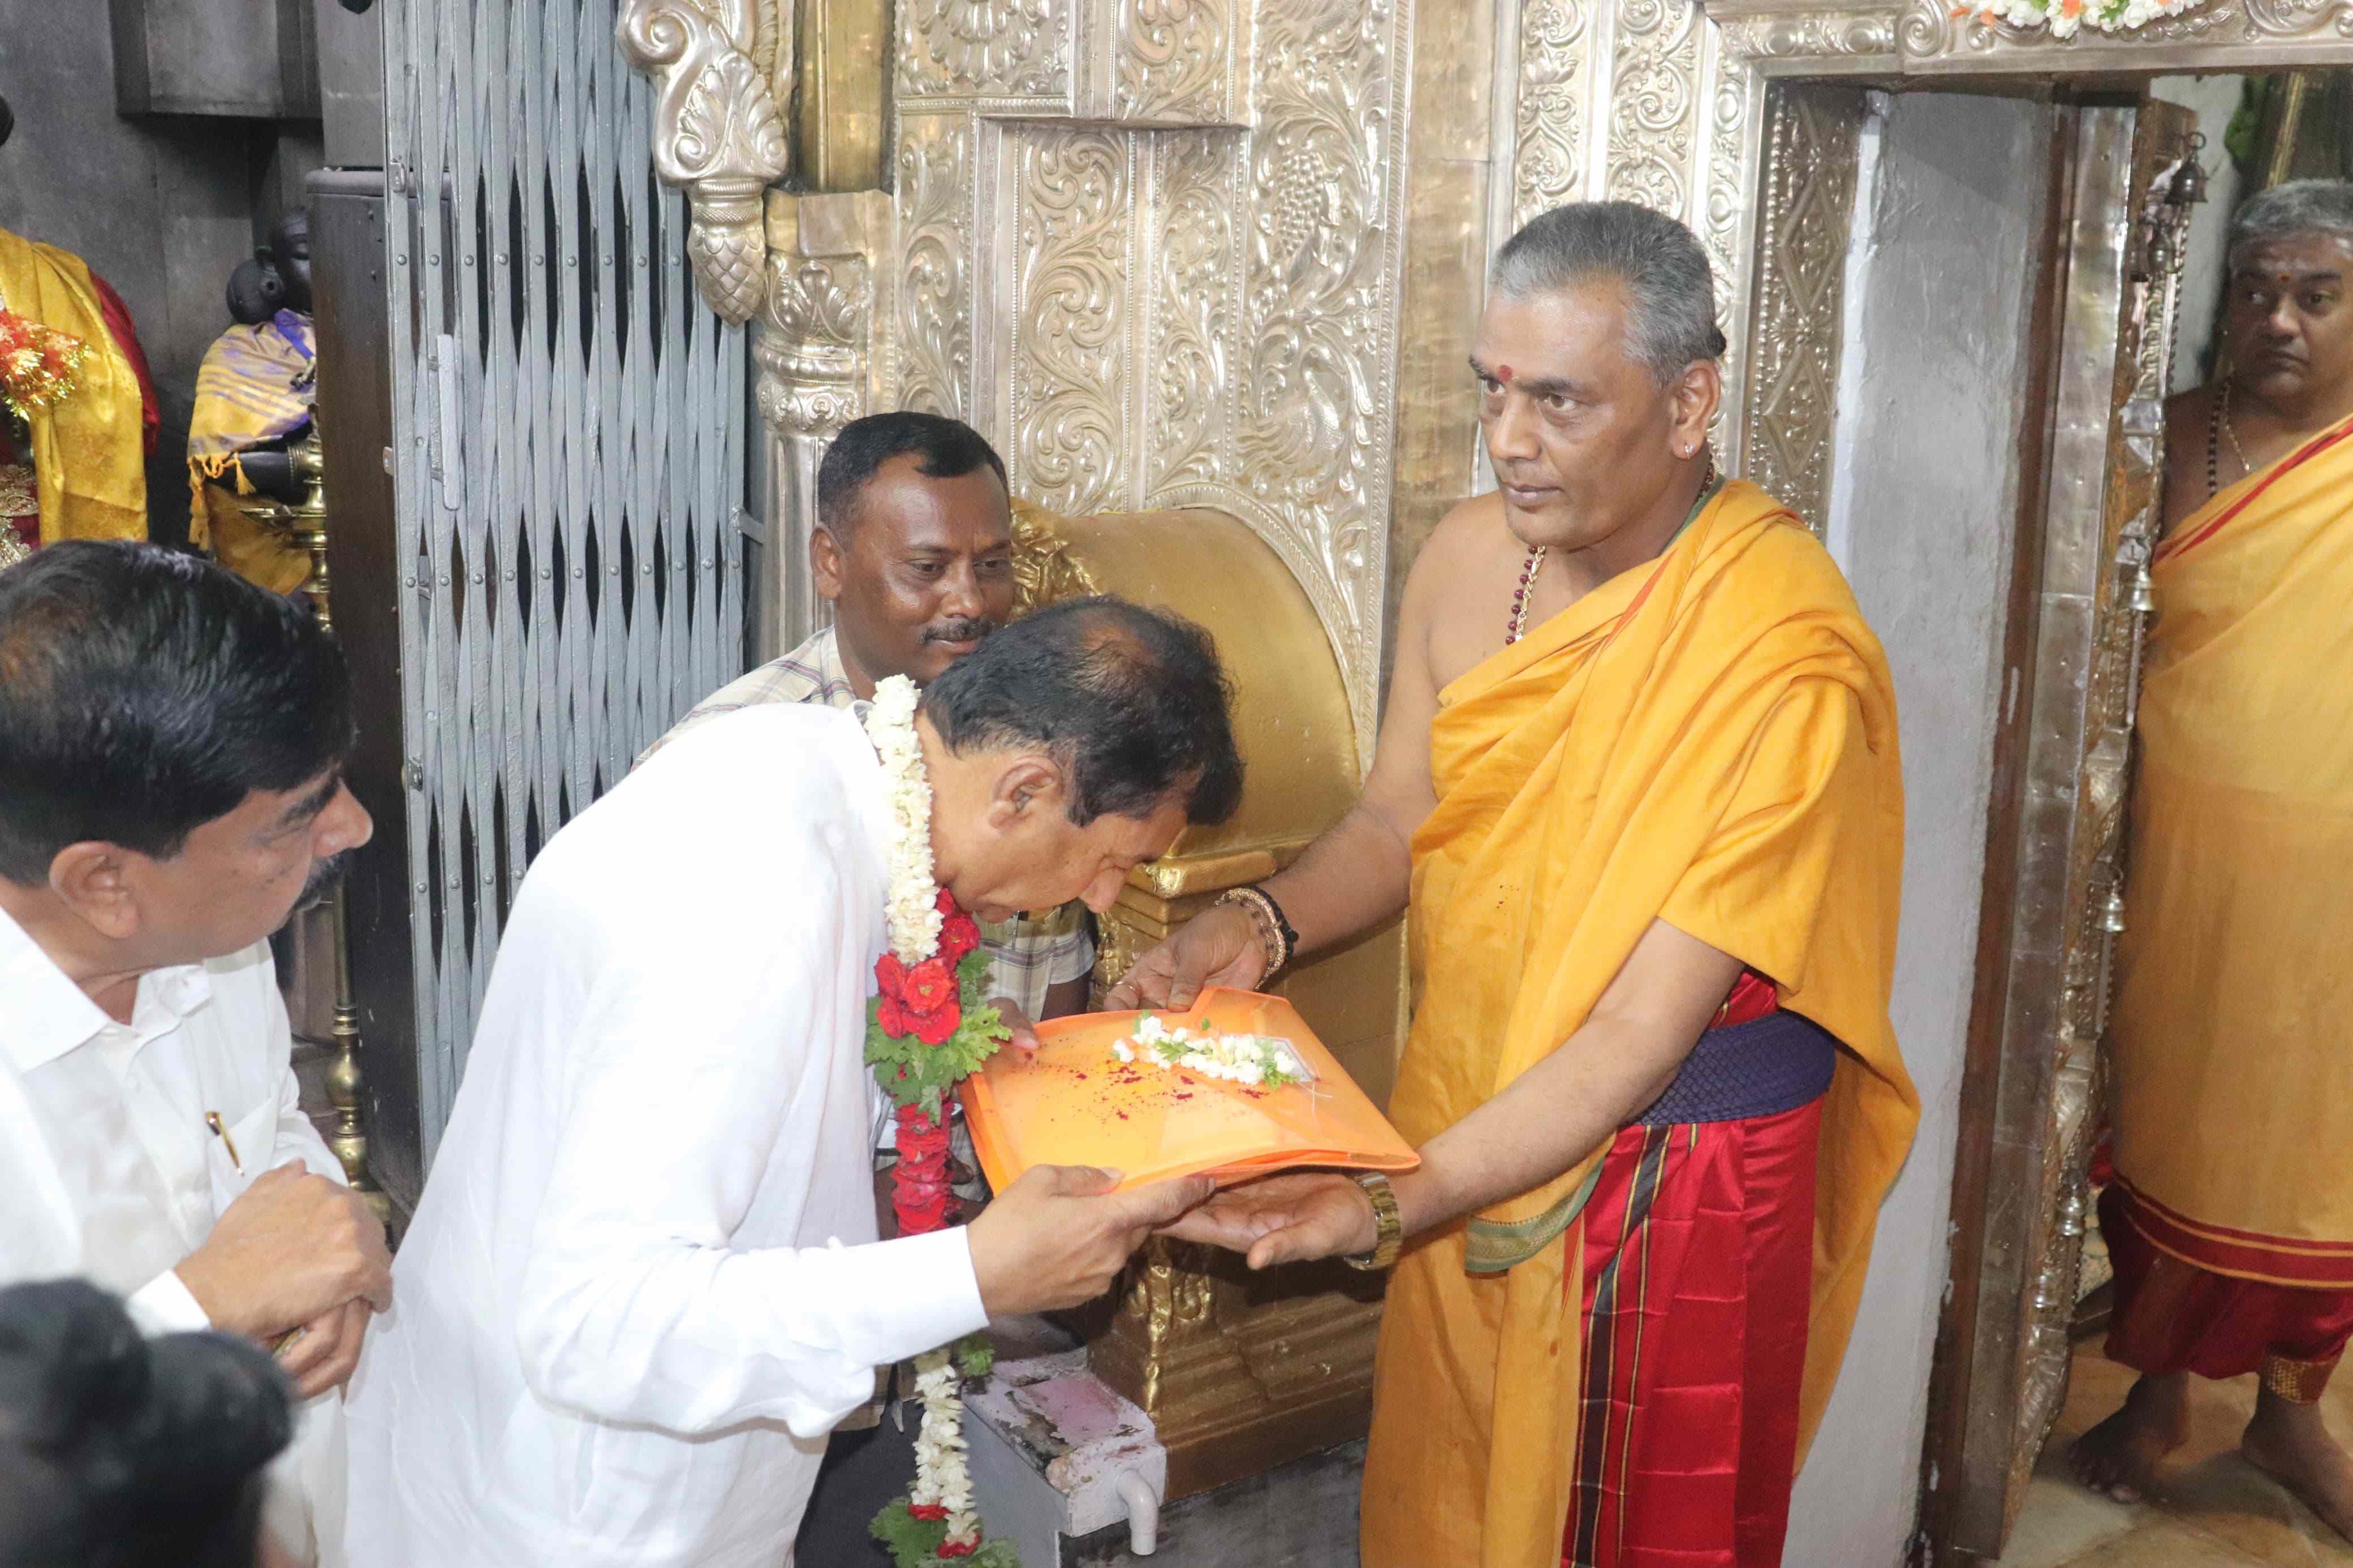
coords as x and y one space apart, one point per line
1709 739
2234 1007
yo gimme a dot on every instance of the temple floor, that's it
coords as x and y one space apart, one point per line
2219 1512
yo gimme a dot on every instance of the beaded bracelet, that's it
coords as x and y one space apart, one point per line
1275 933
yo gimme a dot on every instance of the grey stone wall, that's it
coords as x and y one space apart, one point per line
162 207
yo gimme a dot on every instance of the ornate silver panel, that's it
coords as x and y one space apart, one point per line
1175 286
1808 207
984 48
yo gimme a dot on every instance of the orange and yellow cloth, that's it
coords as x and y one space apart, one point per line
1708 739
87 449
2233 1031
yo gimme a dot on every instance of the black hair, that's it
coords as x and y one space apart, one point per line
1133 702
118 1451
948 449
145 692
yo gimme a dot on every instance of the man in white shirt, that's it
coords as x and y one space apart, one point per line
643 1282
914 549
172 740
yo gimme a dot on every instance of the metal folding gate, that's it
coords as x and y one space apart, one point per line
567 455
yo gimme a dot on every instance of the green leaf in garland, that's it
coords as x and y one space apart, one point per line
912 1542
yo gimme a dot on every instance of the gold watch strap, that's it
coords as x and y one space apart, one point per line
1389 1235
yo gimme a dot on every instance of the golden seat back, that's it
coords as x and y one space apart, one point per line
1292 725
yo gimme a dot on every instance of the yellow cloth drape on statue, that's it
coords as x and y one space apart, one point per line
89 448
2233 1035
254 385
1710 739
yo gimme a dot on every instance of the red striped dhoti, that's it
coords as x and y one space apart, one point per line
1698 1271
2191 1298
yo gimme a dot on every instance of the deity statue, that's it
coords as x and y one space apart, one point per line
255 392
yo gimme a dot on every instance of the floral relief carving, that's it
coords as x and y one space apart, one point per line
1181 315
1812 33
1070 383
1192 356
1653 113
987 48
1547 166
812 343
1807 204
1174 59
717 134
934 211
1320 354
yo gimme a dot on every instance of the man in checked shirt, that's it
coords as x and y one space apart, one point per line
914 549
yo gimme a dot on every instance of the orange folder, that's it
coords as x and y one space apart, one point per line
1075 1104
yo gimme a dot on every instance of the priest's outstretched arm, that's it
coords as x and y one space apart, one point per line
1355 875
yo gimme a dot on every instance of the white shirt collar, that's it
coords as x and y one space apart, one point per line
45 1014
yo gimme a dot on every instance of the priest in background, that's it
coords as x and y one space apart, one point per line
1638 781
2230 1218
643 1282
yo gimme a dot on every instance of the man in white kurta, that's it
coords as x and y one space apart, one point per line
152 1137
636 1296
643 1282
112 1171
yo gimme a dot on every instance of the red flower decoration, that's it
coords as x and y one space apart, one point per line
933 1029
928 1509
956 1549
892 1015
892 975
959 934
946 903
930 986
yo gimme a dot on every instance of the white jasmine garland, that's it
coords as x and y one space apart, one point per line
941 1479
2065 18
913 918
912 911
1246 1059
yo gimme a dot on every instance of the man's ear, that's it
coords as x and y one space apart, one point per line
92 879
826 563
1697 393
1027 784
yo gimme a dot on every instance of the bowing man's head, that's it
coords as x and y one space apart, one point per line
1075 744
913 545
172 748
1596 363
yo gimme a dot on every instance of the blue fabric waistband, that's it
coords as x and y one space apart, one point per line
1763 1068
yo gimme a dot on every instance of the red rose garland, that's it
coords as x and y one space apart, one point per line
929 1025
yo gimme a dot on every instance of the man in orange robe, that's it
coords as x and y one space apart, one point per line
1638 780
2231 1219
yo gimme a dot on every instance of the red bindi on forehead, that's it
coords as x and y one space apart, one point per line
1504 374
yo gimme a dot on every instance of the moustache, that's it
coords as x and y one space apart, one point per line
961 630
325 877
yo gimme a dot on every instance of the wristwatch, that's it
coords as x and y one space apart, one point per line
1389 1233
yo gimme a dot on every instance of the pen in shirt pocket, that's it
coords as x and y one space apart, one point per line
212 1120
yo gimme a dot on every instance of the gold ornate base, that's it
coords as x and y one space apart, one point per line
1240 1371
